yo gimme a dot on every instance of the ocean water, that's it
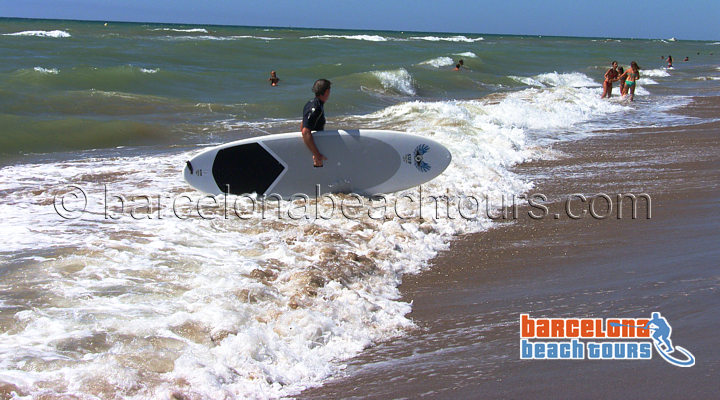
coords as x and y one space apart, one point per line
137 286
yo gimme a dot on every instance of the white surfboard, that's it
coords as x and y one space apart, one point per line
365 162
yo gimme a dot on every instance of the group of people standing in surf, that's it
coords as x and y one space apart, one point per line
628 79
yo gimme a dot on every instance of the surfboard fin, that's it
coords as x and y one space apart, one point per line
190 167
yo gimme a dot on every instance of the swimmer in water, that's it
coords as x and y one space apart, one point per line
273 79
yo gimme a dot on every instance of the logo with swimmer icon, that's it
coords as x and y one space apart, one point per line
660 331
592 339
417 157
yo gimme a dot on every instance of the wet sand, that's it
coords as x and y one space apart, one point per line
468 304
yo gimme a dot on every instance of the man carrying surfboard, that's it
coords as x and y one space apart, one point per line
314 118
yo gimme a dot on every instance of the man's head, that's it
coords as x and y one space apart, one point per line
321 88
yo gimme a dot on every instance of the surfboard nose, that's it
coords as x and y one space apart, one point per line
429 157
444 158
188 171
190 177
198 172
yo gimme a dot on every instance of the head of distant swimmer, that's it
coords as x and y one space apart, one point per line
272 73
634 66
321 88
614 64
621 70
461 62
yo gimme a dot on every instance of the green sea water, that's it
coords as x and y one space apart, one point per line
68 85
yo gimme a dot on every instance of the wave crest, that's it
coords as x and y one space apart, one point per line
399 80
191 30
458 38
50 34
438 62
370 38
655 73
555 79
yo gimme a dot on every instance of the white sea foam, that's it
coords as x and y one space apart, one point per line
707 78
438 62
189 294
458 38
656 73
190 30
149 70
370 38
51 34
52 71
467 54
213 37
554 79
254 37
399 80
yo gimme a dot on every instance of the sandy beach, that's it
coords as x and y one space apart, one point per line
467 305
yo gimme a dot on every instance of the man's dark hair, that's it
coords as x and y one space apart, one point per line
321 86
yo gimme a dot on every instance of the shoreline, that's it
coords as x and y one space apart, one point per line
466 306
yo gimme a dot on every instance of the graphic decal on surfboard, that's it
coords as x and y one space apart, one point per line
417 157
421 165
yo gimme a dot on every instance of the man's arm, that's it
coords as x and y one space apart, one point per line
310 143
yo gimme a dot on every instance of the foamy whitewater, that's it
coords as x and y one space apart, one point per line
51 34
398 80
438 62
134 299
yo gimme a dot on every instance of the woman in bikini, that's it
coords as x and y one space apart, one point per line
610 77
631 77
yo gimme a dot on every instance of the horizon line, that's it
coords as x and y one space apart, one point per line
345 29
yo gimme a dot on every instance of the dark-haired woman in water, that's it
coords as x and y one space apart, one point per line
621 71
610 77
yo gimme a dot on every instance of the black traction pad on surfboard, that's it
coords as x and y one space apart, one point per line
246 168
